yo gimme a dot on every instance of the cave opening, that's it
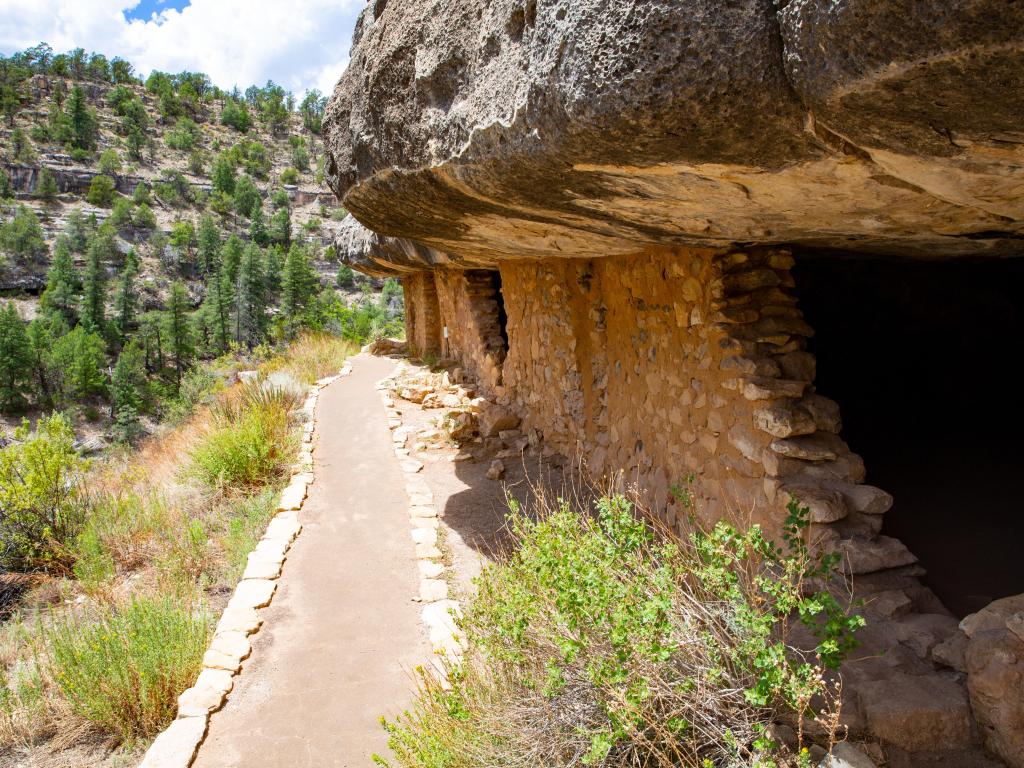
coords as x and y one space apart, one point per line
919 356
499 299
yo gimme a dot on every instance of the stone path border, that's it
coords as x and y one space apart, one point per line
177 746
440 612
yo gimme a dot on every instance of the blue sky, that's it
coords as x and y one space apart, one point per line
300 44
147 8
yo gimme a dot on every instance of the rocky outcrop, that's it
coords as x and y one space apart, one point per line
25 178
382 256
500 128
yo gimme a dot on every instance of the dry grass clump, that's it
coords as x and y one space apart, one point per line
601 641
312 356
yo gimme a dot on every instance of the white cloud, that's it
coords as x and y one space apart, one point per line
300 44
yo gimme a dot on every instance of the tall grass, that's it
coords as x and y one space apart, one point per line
123 670
250 443
313 356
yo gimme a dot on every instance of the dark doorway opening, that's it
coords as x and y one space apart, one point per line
921 359
499 298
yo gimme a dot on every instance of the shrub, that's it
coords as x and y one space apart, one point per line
22 236
250 444
184 136
41 510
290 176
101 191
600 642
110 162
247 519
124 670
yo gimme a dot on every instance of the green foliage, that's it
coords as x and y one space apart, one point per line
300 155
257 229
181 345
208 250
78 358
124 670
290 176
61 294
312 109
346 277
78 228
174 189
6 188
223 175
121 214
22 236
236 114
101 191
299 286
184 136
21 148
247 521
46 187
127 387
15 359
247 196
250 314
280 229
599 642
94 299
110 162
41 511
250 444
82 121
126 298
143 217
252 157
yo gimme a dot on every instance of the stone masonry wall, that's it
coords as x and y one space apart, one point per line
422 316
468 301
680 365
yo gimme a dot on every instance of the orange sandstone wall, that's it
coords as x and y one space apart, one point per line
469 308
676 364
422 315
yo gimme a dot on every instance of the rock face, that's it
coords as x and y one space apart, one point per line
499 128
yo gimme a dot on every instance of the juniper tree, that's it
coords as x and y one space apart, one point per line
22 236
61 294
280 229
46 187
15 359
247 196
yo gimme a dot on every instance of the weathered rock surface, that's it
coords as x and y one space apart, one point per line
485 129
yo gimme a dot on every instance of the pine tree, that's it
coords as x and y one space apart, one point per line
126 387
83 121
93 291
216 307
272 271
15 359
209 245
247 196
280 229
61 294
79 358
151 333
126 297
179 332
231 258
257 228
250 298
298 287
43 333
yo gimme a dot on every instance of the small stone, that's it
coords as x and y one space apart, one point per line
422 510
496 418
207 695
424 522
424 535
784 419
825 412
863 498
283 528
176 746
496 471
293 495
443 613
227 651
411 466
825 506
262 568
245 620
427 552
952 652
429 569
868 556
253 593
845 755
432 590
808 447
762 388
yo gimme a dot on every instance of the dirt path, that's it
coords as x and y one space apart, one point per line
342 634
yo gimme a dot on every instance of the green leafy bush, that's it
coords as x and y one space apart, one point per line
124 670
601 642
41 509
101 191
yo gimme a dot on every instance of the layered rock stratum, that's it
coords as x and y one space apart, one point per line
498 129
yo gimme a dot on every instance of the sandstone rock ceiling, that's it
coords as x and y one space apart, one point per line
492 129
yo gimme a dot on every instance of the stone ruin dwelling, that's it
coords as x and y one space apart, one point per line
681 239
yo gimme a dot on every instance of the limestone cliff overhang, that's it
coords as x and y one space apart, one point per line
489 129
382 256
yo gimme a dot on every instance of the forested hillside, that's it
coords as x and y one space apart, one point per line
146 225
